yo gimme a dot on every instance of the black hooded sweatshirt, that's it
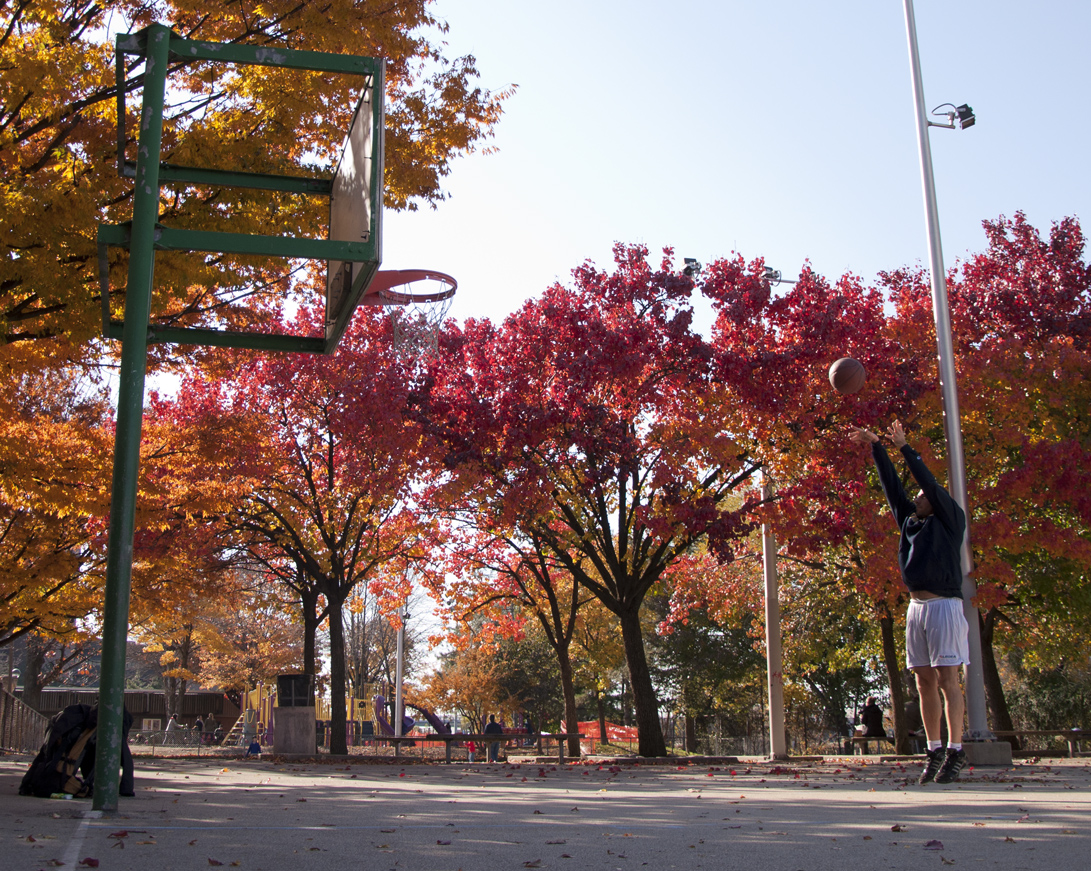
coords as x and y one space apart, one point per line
929 552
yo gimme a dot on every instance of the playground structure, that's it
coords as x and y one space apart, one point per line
366 717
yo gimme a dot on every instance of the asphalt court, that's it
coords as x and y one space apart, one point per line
803 816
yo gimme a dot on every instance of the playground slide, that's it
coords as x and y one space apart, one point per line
383 727
381 723
436 722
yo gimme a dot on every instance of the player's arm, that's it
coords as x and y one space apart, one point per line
946 510
943 506
900 504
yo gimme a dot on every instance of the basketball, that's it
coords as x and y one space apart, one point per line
847 375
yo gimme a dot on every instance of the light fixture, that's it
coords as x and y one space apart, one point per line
692 268
964 114
773 276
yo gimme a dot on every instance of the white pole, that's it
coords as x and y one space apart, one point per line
976 710
773 653
398 672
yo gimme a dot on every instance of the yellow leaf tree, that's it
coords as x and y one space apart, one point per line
58 137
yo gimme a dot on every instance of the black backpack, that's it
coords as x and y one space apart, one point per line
54 768
70 747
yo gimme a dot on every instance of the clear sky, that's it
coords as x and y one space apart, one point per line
781 129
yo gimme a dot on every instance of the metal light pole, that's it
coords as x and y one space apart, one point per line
399 669
956 462
778 745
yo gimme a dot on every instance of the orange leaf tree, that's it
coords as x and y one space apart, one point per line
494 575
54 455
326 463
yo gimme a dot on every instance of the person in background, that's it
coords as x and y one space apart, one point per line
493 728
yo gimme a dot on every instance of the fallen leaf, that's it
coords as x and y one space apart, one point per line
214 862
1009 840
533 863
562 841
89 862
947 861
444 843
934 845
897 828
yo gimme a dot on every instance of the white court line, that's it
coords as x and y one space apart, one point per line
72 854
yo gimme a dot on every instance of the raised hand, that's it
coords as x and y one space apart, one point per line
897 434
862 436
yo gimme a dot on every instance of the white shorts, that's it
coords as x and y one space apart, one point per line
936 633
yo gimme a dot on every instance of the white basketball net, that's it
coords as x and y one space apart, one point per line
417 325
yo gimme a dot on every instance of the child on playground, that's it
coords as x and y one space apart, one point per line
471 749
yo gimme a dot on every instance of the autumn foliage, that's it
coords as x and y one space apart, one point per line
58 142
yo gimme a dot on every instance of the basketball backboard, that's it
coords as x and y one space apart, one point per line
356 209
353 247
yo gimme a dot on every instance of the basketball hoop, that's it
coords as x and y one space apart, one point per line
418 300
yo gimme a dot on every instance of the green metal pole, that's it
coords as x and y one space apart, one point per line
130 413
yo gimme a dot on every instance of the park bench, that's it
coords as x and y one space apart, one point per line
860 743
1072 736
481 739
916 742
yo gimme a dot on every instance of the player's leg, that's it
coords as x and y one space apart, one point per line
928 686
950 687
949 645
918 659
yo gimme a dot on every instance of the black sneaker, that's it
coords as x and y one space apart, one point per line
952 765
935 760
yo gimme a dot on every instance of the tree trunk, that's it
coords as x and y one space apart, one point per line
894 678
568 688
32 672
309 602
338 711
994 689
175 687
646 706
690 732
